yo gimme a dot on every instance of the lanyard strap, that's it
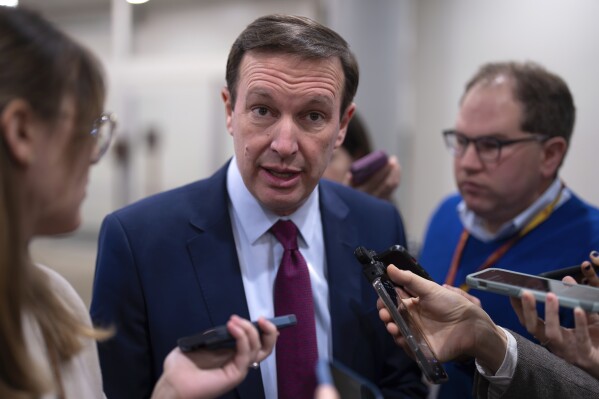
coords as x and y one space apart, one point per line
499 252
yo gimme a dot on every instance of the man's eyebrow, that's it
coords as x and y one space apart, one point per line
320 101
259 93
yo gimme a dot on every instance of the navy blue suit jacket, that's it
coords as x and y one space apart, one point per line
167 267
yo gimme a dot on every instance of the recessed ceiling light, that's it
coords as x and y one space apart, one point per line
10 3
137 1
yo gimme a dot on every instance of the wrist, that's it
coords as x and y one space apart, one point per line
490 345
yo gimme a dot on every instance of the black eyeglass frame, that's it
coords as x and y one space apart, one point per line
497 144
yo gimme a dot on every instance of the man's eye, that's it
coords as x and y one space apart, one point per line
260 111
461 141
487 145
315 116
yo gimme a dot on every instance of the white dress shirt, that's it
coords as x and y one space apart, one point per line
260 254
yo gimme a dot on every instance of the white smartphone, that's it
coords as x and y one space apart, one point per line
508 282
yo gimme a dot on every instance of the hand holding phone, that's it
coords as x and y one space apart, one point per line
375 271
507 282
368 165
219 337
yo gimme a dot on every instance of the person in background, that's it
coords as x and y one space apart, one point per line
52 129
513 211
356 145
263 235
507 364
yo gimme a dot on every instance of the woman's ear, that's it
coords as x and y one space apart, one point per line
17 130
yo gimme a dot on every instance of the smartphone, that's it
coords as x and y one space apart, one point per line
375 272
219 337
572 271
512 283
348 383
400 257
366 166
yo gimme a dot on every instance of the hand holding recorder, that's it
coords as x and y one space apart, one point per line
452 325
210 373
392 299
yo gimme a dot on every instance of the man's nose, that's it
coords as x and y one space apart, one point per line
470 158
285 137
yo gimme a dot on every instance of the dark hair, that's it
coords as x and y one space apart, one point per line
547 104
40 65
357 141
293 35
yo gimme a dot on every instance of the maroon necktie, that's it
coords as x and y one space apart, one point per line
297 351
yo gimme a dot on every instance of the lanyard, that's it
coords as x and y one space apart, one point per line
499 252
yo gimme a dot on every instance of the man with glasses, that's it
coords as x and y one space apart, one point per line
513 211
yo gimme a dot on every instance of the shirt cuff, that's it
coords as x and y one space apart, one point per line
500 381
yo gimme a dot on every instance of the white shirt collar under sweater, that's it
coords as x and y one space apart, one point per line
476 226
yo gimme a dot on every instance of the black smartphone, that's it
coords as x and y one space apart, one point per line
348 383
400 257
573 271
508 282
219 337
376 273
366 166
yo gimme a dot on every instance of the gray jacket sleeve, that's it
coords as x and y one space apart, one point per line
541 374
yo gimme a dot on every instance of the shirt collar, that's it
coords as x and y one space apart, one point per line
476 226
256 220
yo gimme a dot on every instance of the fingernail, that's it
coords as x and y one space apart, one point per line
587 267
594 254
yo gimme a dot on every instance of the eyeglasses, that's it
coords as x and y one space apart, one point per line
488 148
103 130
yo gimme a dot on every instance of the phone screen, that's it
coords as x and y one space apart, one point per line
512 283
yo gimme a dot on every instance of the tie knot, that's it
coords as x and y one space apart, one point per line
286 232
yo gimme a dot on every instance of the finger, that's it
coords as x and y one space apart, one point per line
243 355
581 331
569 280
532 322
589 272
517 306
553 330
268 338
396 167
384 315
414 284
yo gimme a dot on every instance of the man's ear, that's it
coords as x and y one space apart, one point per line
16 127
226 96
554 151
347 115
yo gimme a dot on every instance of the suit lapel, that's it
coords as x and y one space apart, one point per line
344 285
214 257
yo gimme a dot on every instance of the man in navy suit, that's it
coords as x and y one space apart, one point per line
183 261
